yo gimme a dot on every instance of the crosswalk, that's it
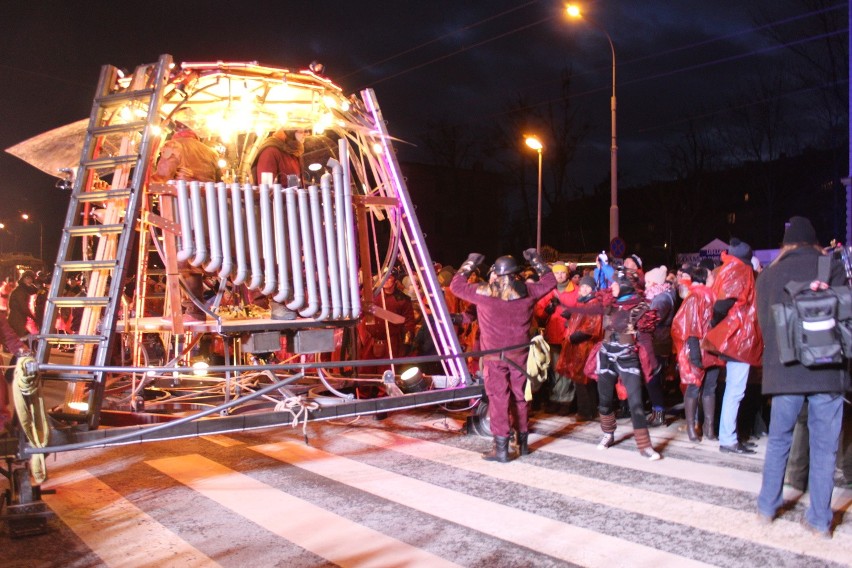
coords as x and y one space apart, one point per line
413 491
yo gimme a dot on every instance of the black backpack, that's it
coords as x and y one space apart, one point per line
814 327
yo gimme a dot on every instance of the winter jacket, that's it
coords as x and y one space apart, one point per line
19 308
737 337
693 320
799 265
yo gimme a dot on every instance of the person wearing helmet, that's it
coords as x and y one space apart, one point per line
504 309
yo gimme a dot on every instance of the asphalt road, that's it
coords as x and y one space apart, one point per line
412 490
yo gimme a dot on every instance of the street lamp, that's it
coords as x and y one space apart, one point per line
534 143
574 12
26 217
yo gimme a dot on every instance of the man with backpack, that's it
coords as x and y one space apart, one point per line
792 383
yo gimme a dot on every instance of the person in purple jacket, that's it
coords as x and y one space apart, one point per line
505 308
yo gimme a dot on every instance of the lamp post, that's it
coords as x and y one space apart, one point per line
26 217
574 12
534 143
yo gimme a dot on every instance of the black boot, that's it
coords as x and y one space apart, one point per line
708 403
523 446
500 451
690 409
658 418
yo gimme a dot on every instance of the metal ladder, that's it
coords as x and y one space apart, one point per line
122 135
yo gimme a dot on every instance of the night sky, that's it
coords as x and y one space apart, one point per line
449 62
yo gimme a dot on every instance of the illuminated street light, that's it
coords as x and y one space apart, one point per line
574 12
534 143
26 217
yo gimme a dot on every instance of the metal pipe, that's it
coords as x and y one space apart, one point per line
225 229
254 249
295 249
213 227
281 257
186 246
351 244
307 249
239 234
319 247
331 243
198 224
267 240
340 230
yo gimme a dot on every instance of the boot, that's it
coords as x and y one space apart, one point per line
500 451
708 403
195 287
523 446
658 418
690 409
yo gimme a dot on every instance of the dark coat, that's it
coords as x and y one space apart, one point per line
800 265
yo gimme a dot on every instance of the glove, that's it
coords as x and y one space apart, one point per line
473 261
578 337
694 347
551 306
534 258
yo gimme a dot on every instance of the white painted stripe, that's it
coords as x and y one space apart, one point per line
335 538
782 534
554 538
223 440
117 531
717 476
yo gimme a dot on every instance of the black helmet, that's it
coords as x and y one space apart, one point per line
506 265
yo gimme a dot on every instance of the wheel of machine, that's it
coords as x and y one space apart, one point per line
478 422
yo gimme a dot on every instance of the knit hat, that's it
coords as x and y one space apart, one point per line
559 267
656 275
800 231
588 281
740 250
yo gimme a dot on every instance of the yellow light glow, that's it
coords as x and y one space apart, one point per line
329 101
79 406
222 162
377 148
25 216
199 369
156 130
573 11
344 105
534 143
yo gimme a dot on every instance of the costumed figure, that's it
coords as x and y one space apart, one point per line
380 342
20 313
505 310
626 355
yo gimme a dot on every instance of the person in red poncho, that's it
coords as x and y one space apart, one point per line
582 332
504 308
734 335
548 313
699 370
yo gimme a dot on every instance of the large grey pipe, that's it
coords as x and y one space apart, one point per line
319 247
213 228
198 224
186 247
340 231
267 240
331 244
308 251
295 249
239 234
351 243
225 229
254 249
281 256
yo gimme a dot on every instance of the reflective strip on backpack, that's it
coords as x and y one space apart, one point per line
822 325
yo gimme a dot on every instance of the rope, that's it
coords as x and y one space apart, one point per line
302 406
31 414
